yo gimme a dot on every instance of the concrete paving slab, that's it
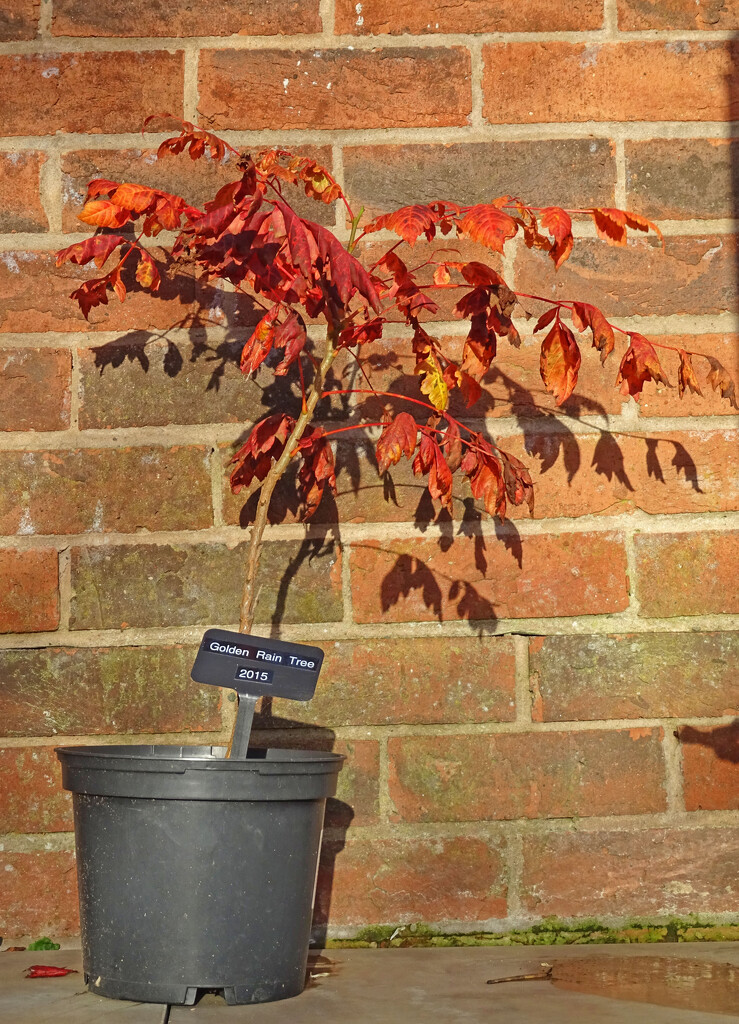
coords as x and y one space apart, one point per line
449 986
661 983
61 1000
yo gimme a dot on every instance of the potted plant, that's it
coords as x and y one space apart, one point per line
197 870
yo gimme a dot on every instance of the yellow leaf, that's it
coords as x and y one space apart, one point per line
433 383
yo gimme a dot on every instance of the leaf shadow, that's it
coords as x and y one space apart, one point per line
723 739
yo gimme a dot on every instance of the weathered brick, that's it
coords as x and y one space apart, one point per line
107 691
19 21
398 881
479 578
625 81
687 573
644 872
641 675
690 471
32 798
89 490
197 181
357 800
169 585
533 775
88 92
38 894
35 388
29 593
681 178
710 767
693 275
20 200
395 17
181 18
569 172
35 297
667 402
423 87
711 15
394 681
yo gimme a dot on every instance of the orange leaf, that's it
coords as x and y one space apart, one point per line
488 225
104 214
147 274
584 315
135 198
442 276
559 225
409 222
97 248
259 346
718 377
686 377
398 438
559 362
610 225
639 364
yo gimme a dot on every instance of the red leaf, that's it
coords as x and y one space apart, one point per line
259 346
519 486
97 248
480 274
610 225
44 971
90 294
298 243
291 337
104 214
546 318
360 334
559 225
559 362
397 438
485 476
639 364
316 471
101 187
489 225
584 315
409 222
430 459
265 444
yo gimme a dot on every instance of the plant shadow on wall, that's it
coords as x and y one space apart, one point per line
723 740
327 327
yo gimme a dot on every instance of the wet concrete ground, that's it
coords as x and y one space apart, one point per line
685 983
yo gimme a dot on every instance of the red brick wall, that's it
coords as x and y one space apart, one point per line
570 750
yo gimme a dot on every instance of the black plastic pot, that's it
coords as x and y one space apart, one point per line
196 872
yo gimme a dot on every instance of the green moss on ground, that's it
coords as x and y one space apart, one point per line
550 932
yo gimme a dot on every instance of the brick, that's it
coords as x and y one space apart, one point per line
35 297
711 15
380 17
693 275
146 381
667 402
399 881
173 585
681 471
420 87
641 675
29 594
480 578
534 775
106 691
32 798
710 767
680 178
20 21
642 872
197 181
89 490
626 81
35 388
38 894
88 92
573 172
20 200
396 681
206 18
357 800
687 573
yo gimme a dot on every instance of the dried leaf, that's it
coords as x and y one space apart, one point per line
584 315
398 438
718 377
686 378
639 364
559 362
